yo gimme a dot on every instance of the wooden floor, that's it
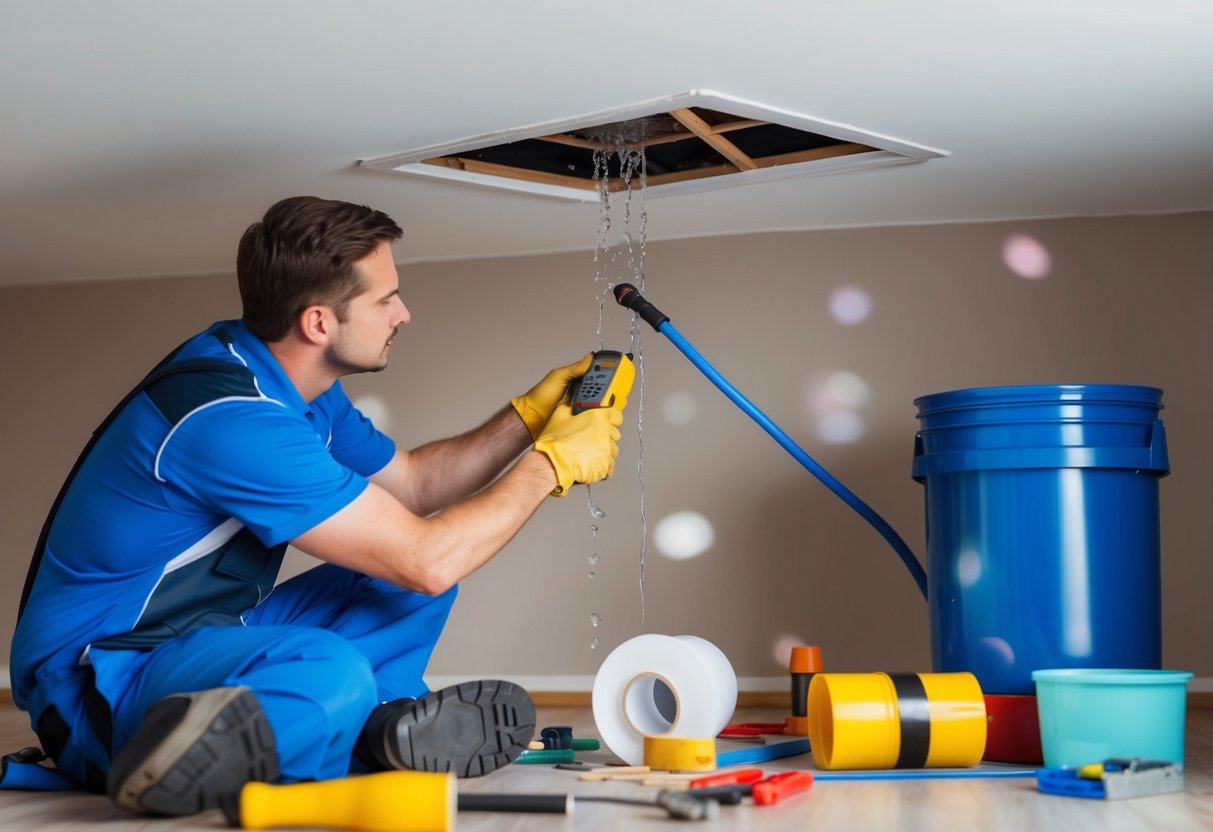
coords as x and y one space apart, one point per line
906 805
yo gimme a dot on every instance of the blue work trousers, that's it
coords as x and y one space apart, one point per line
320 653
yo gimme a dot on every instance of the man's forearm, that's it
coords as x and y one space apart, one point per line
470 533
378 536
441 473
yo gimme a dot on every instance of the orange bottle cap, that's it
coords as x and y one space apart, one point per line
805 660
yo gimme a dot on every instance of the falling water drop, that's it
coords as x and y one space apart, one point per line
594 644
624 142
595 619
595 511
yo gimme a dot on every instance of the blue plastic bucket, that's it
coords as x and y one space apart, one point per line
1042 528
1088 715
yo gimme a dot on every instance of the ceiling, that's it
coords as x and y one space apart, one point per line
140 137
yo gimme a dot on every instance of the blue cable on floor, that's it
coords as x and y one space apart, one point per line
926 774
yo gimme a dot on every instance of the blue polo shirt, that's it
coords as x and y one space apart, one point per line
169 499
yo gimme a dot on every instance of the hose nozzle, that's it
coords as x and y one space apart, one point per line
629 296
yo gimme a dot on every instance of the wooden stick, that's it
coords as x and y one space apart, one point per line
740 124
829 152
693 173
571 141
722 145
590 144
494 169
616 773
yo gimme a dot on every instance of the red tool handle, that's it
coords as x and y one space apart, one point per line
739 731
781 785
765 727
751 729
728 778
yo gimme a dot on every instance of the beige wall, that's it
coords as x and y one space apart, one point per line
1129 300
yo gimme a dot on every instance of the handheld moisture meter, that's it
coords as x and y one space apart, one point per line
610 376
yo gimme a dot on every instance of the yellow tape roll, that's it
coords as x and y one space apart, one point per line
390 801
680 753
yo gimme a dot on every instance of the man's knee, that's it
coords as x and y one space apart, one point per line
324 667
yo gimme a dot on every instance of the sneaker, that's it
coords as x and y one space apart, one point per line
193 751
470 729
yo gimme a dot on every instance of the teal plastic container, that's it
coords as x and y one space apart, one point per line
1090 714
1042 519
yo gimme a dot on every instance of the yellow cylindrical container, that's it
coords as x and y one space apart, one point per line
903 720
958 719
389 801
680 753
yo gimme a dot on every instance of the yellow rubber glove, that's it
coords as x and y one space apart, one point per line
582 448
536 405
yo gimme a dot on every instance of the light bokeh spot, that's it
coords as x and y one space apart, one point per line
684 535
968 568
375 409
842 427
1027 257
679 408
781 651
842 390
850 305
835 402
996 651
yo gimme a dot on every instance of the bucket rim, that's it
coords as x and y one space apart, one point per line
1112 676
1132 394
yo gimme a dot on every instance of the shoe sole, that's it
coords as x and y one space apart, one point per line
221 742
471 729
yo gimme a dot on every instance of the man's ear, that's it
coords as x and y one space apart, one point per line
317 324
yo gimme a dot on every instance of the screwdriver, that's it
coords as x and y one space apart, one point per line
388 801
728 778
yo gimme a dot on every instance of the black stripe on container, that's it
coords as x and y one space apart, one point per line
800 693
915 713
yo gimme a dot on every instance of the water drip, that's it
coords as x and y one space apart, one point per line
624 261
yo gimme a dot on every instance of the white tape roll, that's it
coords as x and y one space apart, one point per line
670 686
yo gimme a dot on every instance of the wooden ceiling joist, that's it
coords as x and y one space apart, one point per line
706 127
686 116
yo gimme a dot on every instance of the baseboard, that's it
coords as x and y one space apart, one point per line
581 699
752 691
574 691
1197 700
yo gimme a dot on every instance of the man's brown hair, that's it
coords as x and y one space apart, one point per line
302 253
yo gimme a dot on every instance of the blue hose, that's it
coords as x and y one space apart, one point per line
845 494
